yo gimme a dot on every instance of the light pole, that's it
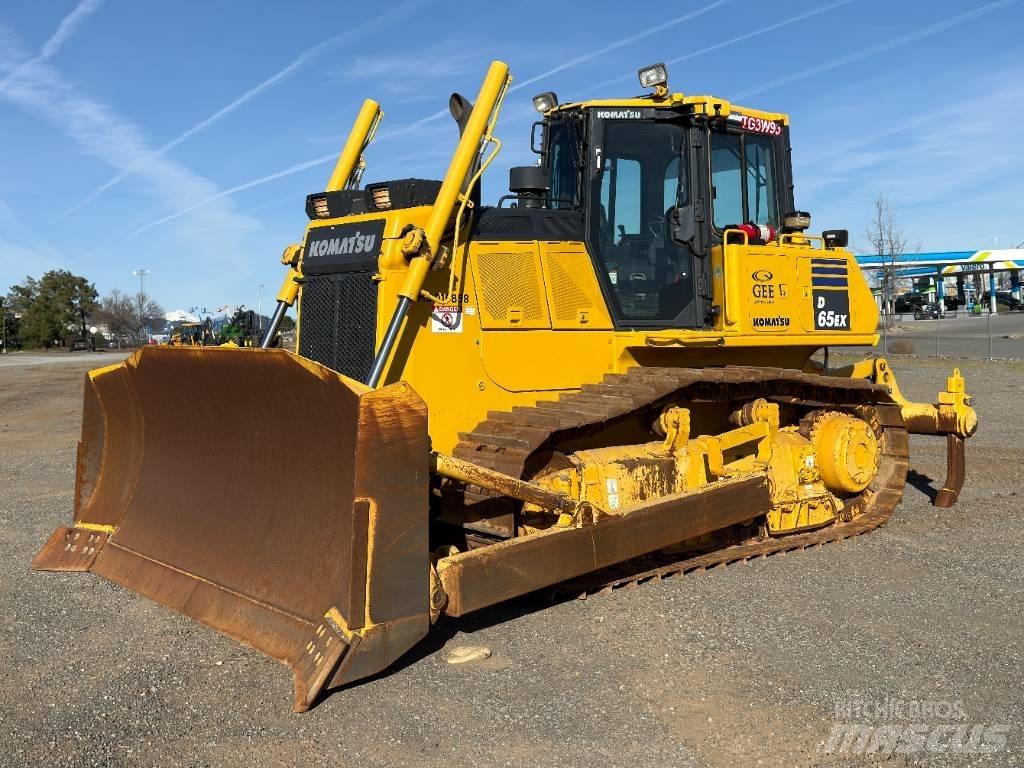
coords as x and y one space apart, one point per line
141 274
259 307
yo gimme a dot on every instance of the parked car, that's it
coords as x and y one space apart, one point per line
909 302
929 311
1004 297
79 345
953 303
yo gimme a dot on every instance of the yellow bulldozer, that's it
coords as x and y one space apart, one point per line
608 377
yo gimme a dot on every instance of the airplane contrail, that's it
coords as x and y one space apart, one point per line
69 25
733 40
874 50
298 167
651 30
324 159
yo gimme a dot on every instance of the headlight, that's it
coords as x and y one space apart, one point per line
319 206
381 197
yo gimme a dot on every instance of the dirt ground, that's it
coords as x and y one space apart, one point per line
918 624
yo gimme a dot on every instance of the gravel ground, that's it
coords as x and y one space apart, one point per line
746 665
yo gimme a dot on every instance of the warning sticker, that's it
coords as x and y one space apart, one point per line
446 319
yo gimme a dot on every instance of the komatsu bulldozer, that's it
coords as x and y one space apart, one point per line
609 376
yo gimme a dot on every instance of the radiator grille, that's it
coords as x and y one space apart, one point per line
338 322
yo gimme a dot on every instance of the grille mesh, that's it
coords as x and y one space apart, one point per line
566 295
503 224
510 280
338 322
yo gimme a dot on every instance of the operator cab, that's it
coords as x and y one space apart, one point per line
658 180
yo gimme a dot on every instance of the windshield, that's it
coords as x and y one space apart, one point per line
743 180
642 179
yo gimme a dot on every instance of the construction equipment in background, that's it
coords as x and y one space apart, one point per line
243 330
194 335
613 366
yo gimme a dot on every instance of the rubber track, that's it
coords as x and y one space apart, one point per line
506 441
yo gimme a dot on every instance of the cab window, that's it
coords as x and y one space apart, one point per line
760 167
620 196
743 180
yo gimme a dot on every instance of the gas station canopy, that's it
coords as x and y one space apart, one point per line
948 262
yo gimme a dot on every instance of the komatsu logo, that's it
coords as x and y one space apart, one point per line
356 244
343 247
619 114
770 322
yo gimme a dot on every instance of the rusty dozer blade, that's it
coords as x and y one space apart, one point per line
263 495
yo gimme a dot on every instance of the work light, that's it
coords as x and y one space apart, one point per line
653 76
545 102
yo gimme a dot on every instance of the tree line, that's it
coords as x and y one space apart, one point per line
60 307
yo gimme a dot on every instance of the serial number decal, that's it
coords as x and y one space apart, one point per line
447 298
760 125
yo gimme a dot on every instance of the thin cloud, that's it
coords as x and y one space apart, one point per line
308 55
759 32
98 131
39 252
874 50
921 153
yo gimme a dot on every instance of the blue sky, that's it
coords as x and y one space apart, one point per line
183 137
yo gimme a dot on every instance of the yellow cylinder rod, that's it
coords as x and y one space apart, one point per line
362 132
290 287
491 91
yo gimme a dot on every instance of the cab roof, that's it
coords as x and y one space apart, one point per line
702 105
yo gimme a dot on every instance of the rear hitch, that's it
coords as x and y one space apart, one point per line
952 415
